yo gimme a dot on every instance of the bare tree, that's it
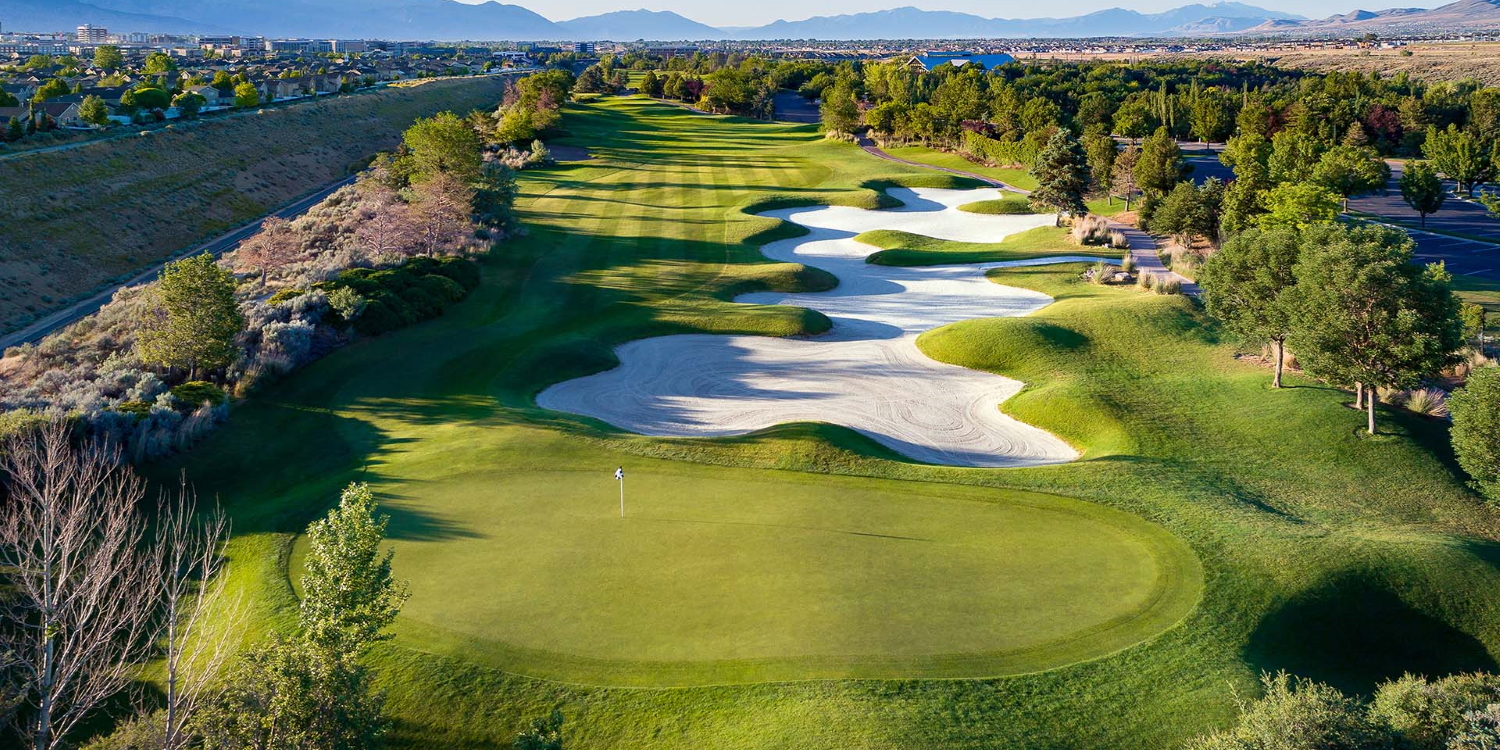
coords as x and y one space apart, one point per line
443 208
192 581
81 612
275 245
385 227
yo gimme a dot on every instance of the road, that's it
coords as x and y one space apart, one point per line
218 246
792 107
1468 257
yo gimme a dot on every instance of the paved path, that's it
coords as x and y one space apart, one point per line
1142 245
218 246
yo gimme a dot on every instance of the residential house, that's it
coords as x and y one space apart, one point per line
210 95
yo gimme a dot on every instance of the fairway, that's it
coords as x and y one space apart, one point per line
733 579
804 584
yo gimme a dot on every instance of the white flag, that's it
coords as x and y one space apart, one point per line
620 474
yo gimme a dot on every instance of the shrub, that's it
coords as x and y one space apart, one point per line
1146 280
1476 430
378 318
285 295
1427 714
1091 230
1297 713
979 147
138 409
1117 240
195 393
1100 273
1168 285
1127 263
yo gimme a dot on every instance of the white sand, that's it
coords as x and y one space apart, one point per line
867 373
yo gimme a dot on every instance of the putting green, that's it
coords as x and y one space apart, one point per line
733 580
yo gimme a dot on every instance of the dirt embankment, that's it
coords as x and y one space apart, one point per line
74 220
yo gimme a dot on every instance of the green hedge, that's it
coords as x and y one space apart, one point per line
1018 154
194 393
417 290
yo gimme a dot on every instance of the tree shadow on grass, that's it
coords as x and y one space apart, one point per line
1354 634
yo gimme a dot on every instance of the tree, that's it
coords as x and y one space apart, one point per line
79 603
1476 430
1297 205
93 111
652 84
108 57
1122 179
592 81
1160 167
443 143
159 63
14 131
274 246
839 109
246 95
1245 153
1211 116
50 89
1189 211
1461 156
1062 175
147 98
1243 198
1349 170
349 595
189 103
1293 157
1246 285
223 83
288 693
1102 152
1298 714
1363 313
191 579
1422 189
192 318
442 208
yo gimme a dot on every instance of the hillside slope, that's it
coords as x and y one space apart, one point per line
76 219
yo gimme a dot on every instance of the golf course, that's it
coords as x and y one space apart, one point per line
896 475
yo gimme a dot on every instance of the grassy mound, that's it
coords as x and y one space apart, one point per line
906 249
1295 516
999 207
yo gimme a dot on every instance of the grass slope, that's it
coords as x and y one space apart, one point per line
77 219
900 248
1019 178
1324 552
999 207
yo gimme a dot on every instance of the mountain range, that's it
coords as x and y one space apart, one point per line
452 20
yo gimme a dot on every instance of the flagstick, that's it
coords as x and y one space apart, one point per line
622 497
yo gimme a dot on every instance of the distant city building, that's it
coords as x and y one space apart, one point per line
348 45
584 48
932 60
672 51
91 34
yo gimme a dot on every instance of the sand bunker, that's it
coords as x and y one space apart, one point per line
866 373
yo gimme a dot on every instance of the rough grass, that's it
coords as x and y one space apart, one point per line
78 219
1324 552
906 249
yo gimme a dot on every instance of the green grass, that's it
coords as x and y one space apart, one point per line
900 248
1323 551
755 577
999 207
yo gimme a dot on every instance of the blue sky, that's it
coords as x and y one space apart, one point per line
721 13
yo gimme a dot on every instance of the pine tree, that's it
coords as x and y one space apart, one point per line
193 318
1062 175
